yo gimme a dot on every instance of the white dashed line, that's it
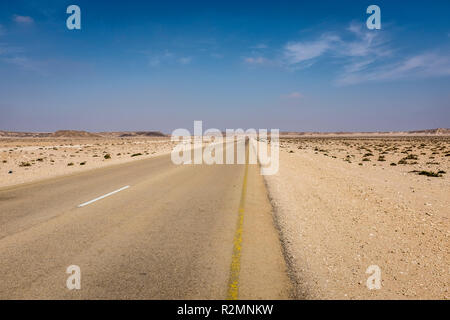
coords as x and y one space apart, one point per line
102 197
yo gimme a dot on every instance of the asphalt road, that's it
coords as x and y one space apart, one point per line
171 232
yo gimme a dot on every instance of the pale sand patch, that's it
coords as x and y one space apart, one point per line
35 159
338 217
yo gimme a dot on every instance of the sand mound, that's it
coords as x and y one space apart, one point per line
13 134
428 132
73 134
137 134
143 133
439 131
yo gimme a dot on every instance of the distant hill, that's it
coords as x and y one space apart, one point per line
428 132
74 134
439 131
80 134
126 134
13 134
158 134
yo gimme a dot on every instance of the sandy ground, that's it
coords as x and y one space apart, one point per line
30 160
341 205
339 214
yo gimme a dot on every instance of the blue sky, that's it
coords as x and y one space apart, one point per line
160 65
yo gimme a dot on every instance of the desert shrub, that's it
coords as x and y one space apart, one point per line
136 154
365 159
70 164
82 163
411 157
393 164
107 156
429 173
25 164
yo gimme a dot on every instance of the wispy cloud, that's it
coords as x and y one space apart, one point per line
256 60
17 56
366 42
365 56
22 62
167 58
154 61
422 65
217 55
185 60
357 44
6 49
259 46
299 52
24 20
26 64
293 95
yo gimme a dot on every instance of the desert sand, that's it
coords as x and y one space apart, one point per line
25 160
343 204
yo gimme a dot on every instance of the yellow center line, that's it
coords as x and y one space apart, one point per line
233 284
